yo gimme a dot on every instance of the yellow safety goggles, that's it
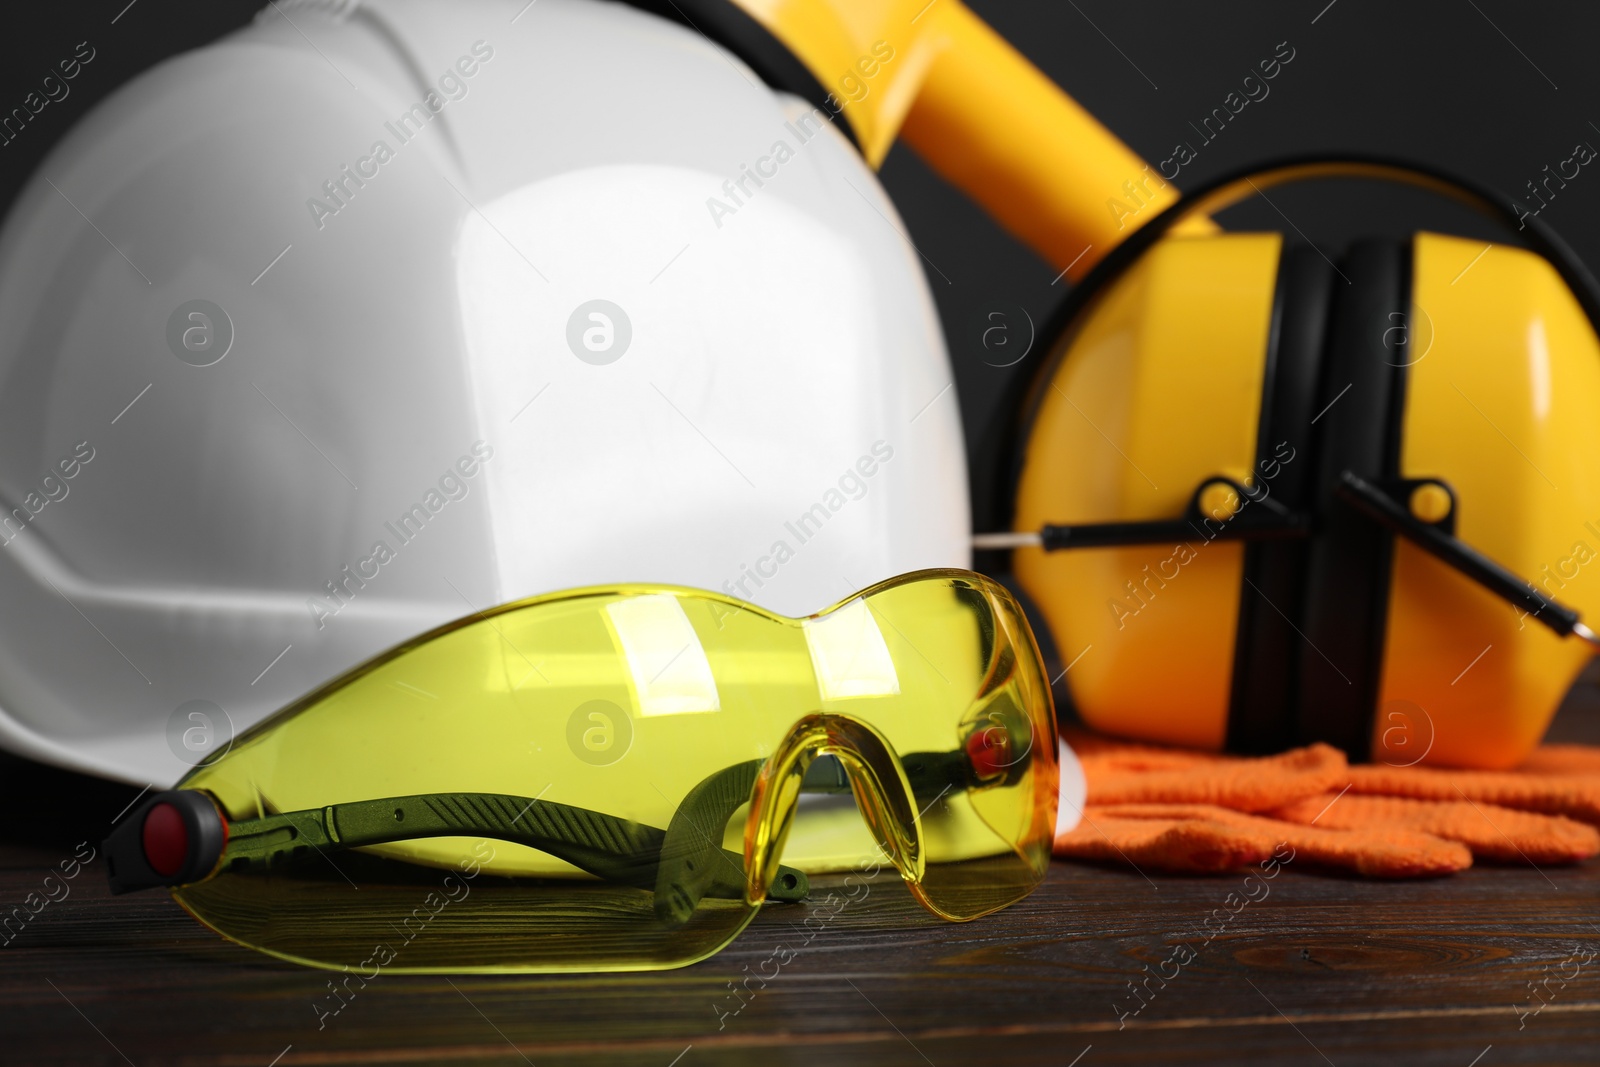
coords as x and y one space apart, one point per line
606 779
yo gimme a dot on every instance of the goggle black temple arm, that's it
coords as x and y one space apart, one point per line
141 851
179 837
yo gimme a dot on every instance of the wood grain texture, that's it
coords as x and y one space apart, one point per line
1324 969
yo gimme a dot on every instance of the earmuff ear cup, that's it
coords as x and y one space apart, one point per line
1502 387
1357 425
1153 388
1272 600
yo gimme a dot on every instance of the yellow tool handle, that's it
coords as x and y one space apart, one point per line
982 116
994 126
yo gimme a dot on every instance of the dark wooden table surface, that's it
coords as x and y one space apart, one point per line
1325 969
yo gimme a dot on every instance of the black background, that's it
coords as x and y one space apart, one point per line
1488 89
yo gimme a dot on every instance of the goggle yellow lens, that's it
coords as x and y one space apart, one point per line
617 778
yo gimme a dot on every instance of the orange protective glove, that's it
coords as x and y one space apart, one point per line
1175 810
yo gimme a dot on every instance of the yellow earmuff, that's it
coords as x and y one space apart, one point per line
1271 499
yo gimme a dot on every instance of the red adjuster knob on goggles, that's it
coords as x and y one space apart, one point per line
171 839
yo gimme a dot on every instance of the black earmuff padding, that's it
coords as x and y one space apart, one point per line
1271 598
1361 402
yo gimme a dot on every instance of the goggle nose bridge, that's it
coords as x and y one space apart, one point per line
877 778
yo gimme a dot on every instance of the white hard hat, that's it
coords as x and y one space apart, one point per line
373 315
